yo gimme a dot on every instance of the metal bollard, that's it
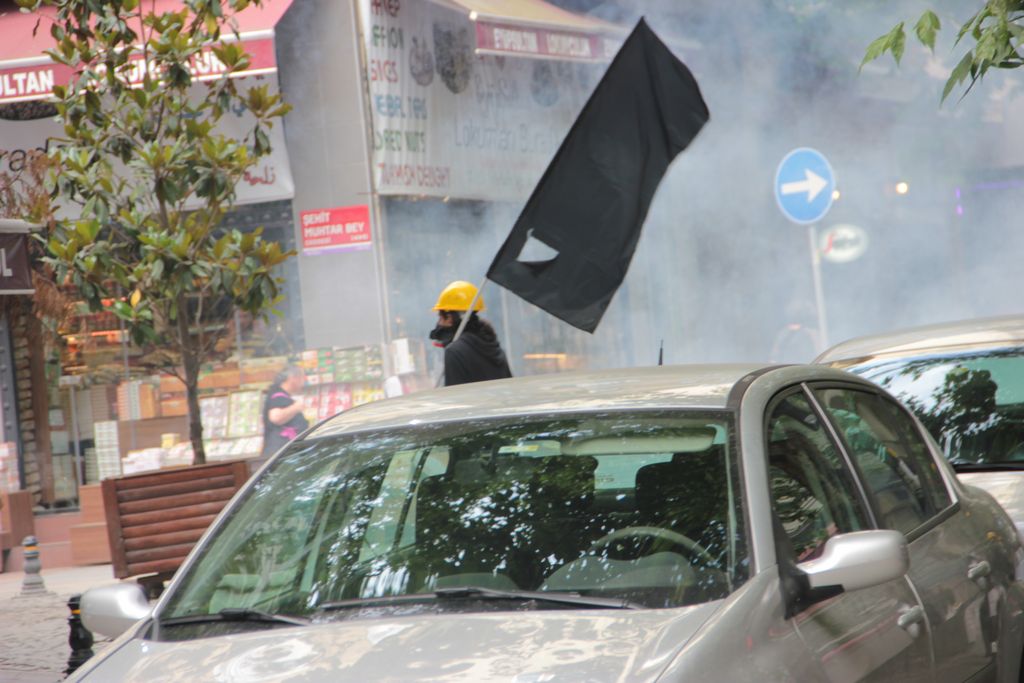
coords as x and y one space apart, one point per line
32 584
79 637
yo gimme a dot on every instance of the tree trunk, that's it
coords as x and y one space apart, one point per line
190 361
195 421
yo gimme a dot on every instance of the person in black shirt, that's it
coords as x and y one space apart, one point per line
282 413
476 356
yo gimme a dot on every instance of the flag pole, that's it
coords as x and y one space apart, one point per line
469 311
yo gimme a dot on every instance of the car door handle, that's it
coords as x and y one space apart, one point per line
979 570
909 620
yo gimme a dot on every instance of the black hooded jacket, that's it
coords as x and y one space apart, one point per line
476 356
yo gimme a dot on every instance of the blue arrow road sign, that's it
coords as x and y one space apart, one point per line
804 184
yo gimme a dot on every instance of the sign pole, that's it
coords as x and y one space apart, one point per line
804 190
819 291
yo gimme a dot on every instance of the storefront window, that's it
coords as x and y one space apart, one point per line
115 409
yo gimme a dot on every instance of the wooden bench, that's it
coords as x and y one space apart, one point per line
155 518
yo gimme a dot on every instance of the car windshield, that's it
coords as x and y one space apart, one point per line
645 508
972 403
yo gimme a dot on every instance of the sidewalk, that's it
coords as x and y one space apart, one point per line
34 630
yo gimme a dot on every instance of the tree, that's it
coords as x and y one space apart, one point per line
996 30
145 177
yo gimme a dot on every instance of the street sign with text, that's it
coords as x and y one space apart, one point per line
337 229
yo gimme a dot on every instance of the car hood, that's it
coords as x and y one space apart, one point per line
1006 486
519 647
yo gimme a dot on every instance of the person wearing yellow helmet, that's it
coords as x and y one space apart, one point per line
476 356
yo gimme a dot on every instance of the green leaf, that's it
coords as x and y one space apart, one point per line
893 42
157 270
261 142
926 28
960 72
986 48
88 230
56 247
122 310
898 43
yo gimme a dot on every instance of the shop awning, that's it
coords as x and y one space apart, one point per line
534 28
28 74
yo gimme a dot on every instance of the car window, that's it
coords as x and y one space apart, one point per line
644 507
971 402
893 457
813 493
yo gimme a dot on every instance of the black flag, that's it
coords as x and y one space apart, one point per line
592 200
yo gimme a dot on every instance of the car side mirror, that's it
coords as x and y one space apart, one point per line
111 610
859 559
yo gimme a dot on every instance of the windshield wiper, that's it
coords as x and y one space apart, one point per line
477 593
235 614
966 466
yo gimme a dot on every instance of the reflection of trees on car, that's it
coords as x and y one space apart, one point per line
966 402
800 513
964 405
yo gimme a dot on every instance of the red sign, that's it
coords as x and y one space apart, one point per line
505 39
344 227
35 82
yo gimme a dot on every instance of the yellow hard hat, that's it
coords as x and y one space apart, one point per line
457 296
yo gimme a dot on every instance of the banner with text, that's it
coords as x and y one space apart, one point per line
338 229
448 121
269 180
36 80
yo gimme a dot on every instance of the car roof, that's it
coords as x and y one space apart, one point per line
964 335
670 386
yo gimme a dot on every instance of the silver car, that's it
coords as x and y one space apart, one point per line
965 382
711 523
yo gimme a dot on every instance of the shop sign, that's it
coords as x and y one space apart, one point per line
32 82
36 81
466 109
339 229
539 42
15 275
270 179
